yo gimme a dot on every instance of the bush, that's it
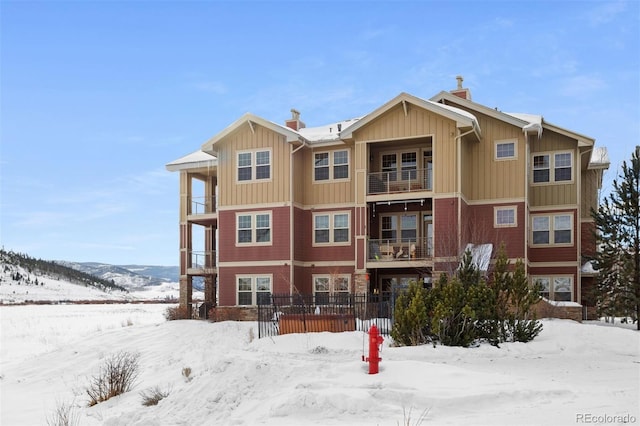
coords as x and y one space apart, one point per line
64 415
466 308
410 325
117 375
153 396
178 313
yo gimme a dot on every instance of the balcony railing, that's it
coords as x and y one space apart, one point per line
400 250
202 259
202 205
400 181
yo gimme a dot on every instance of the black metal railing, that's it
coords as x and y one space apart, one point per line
321 312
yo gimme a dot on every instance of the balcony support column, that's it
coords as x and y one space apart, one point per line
186 290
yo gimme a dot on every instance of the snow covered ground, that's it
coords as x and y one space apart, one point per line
50 289
571 374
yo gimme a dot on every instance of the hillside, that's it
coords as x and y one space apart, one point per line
24 279
131 277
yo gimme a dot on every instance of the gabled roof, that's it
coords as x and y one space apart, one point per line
463 119
527 122
195 160
250 119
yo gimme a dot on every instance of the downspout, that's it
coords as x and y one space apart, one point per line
291 212
459 181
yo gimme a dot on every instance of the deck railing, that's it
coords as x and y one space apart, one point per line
390 182
400 249
202 205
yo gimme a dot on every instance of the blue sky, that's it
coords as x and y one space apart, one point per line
96 97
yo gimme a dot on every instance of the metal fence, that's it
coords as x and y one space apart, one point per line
321 312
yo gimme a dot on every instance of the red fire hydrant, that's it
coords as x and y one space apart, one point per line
375 340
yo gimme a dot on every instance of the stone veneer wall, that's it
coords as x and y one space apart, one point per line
544 309
233 313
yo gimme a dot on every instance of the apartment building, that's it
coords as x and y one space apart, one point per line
367 204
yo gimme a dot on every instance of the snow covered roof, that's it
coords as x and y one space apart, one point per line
527 122
535 122
463 119
195 160
326 133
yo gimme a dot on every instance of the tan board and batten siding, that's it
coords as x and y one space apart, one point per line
275 190
327 193
552 195
418 122
486 178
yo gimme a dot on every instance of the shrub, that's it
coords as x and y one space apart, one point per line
186 373
117 375
153 396
466 308
178 313
410 324
64 415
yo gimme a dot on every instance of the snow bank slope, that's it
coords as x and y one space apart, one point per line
319 379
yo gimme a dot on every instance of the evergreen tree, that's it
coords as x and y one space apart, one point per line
410 317
617 223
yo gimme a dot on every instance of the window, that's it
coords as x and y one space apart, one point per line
409 166
558 288
321 166
331 228
560 224
540 168
389 167
254 228
505 150
326 287
399 228
341 165
562 229
328 166
254 165
254 290
562 167
504 217
561 163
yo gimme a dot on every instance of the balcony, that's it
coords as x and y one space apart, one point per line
202 210
394 182
201 262
394 253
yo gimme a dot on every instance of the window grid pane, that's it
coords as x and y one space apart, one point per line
505 217
505 150
321 231
321 166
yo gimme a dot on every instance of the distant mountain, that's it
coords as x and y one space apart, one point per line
21 269
132 277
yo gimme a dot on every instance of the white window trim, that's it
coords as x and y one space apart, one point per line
253 241
552 168
503 142
254 290
535 278
254 165
552 229
514 209
331 215
331 166
332 285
